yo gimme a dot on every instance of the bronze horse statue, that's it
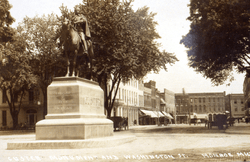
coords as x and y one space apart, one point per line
73 46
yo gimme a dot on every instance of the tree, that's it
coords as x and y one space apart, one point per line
218 40
15 72
40 38
16 75
124 44
6 32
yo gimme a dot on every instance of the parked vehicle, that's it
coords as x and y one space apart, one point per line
120 123
219 120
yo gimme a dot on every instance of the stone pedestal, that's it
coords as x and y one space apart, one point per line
75 111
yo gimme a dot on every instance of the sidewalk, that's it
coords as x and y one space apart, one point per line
239 128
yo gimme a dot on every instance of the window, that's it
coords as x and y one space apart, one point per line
236 109
195 108
199 100
4 99
123 96
235 101
204 100
191 100
31 96
4 118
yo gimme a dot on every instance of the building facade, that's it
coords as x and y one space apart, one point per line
246 92
127 101
168 103
31 110
198 104
236 105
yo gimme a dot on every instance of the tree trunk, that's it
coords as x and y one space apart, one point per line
108 112
14 116
45 97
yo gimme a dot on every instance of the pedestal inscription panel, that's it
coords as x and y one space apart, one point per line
63 99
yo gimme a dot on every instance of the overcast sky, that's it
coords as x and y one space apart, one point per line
172 25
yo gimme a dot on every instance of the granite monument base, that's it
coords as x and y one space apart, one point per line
75 111
52 129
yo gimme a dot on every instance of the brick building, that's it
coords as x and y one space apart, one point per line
198 104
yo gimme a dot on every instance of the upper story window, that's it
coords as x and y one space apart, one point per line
235 101
4 99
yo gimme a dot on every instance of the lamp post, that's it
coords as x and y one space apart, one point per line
128 113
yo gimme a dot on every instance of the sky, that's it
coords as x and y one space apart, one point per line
172 25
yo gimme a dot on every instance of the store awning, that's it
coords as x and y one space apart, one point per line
162 101
158 114
149 113
238 115
199 116
167 115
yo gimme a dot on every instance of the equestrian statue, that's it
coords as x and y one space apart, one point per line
75 37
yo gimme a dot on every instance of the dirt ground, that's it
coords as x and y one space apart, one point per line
172 143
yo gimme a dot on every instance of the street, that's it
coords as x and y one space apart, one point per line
152 143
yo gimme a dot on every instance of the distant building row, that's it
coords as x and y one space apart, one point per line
144 104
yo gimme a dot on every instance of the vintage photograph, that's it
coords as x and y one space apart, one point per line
124 80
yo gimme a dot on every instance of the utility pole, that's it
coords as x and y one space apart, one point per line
186 104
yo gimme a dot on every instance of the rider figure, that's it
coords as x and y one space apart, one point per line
82 27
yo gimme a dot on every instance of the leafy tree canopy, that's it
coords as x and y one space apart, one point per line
218 40
124 40
124 43
16 75
39 34
6 32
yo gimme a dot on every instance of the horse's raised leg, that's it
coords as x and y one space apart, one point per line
68 63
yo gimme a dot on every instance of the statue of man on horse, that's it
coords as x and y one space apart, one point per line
82 27
75 38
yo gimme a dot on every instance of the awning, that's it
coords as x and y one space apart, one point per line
167 115
162 101
238 116
149 113
158 114
199 116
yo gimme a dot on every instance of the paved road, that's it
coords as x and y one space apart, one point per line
153 143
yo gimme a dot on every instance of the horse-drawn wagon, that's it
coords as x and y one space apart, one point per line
119 122
219 120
